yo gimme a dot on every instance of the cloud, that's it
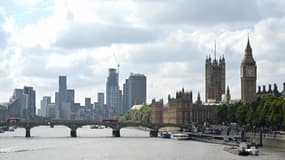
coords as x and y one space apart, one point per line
165 40
198 12
88 35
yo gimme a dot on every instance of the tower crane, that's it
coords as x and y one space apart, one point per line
118 65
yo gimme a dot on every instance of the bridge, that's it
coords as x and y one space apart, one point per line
75 124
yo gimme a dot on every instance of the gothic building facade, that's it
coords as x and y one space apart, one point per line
181 110
248 76
270 91
215 79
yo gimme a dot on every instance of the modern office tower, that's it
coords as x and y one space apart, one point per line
16 102
113 93
52 111
215 78
4 115
99 110
23 103
62 84
248 76
136 89
70 95
125 104
30 95
60 96
88 109
63 96
44 106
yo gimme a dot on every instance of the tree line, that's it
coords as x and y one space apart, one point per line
137 115
265 112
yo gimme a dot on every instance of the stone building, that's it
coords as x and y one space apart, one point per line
215 78
248 76
182 110
270 91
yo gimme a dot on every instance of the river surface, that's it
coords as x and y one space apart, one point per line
98 144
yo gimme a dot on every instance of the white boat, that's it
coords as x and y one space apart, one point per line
247 149
11 128
253 150
180 136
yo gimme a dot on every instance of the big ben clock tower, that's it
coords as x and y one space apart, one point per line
248 76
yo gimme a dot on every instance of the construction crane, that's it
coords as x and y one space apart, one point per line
118 65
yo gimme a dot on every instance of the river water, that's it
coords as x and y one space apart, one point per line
98 144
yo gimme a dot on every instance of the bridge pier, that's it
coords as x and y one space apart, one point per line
116 133
73 132
28 132
153 133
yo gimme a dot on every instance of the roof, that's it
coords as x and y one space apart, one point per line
137 107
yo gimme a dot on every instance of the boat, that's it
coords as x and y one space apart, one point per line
94 126
253 150
11 128
248 149
101 127
165 135
180 136
97 127
243 149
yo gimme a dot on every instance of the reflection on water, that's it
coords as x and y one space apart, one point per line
91 144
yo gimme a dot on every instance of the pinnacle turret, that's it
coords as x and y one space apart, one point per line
248 49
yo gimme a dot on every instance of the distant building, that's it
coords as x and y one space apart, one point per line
52 111
113 93
137 89
226 99
23 103
215 78
125 104
64 99
248 74
134 91
263 92
4 112
43 112
182 110
88 109
99 108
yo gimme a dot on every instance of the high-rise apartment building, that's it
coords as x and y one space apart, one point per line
113 93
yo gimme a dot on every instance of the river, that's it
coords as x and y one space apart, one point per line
98 144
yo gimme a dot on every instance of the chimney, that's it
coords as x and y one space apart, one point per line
284 86
259 89
264 89
269 90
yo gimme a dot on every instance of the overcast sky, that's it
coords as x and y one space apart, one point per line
166 40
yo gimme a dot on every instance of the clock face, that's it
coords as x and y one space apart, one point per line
250 72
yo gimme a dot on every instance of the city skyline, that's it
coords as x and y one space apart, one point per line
34 51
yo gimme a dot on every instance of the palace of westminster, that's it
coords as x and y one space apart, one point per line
182 110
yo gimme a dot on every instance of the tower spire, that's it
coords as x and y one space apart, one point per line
248 50
215 49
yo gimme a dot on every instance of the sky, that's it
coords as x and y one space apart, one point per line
166 40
